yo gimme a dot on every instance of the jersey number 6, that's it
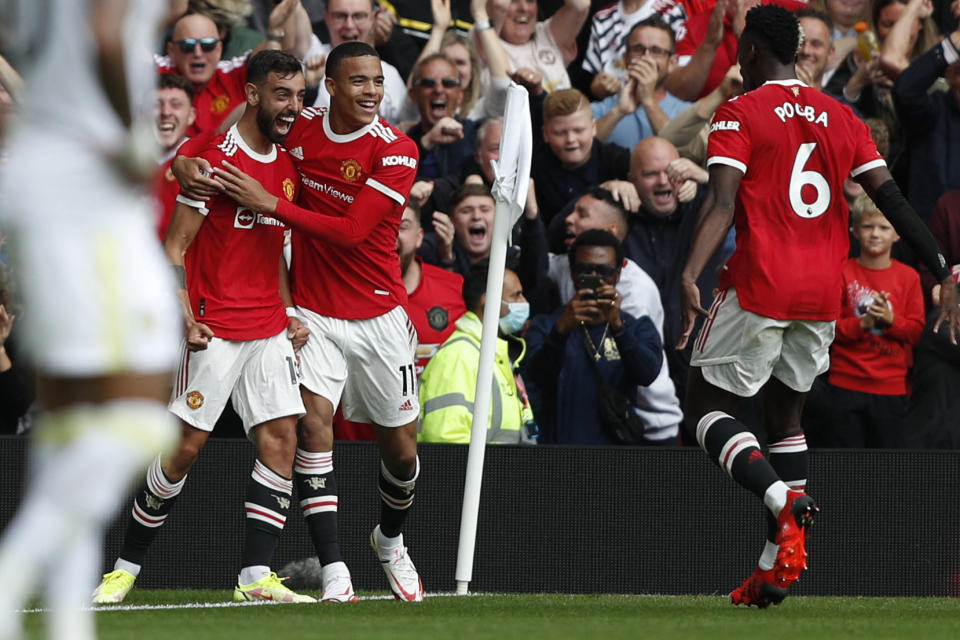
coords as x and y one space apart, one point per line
799 178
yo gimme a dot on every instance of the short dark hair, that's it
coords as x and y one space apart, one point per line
816 15
175 81
605 196
351 49
597 238
464 192
271 61
657 22
414 206
475 284
775 29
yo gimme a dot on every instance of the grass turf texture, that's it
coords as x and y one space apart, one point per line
529 617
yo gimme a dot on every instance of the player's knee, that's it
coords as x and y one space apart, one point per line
276 443
179 464
401 462
315 427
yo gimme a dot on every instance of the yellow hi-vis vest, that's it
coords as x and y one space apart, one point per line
448 386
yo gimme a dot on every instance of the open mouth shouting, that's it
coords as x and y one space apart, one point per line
477 236
283 123
664 198
438 108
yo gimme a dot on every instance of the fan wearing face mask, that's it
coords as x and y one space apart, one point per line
448 384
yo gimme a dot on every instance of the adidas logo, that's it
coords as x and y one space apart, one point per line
755 456
297 152
406 406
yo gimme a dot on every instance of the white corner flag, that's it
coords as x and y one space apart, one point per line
510 192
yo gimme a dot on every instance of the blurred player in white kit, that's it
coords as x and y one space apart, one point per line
104 324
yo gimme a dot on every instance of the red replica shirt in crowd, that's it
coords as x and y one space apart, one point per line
795 146
219 98
233 262
353 188
433 308
726 53
876 361
165 190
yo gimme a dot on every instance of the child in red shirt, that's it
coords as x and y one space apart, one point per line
881 321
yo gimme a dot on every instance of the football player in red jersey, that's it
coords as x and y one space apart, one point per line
778 156
240 342
356 173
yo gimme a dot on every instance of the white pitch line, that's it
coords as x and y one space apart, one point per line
226 605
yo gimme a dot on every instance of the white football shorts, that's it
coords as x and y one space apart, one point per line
367 365
260 377
98 295
738 350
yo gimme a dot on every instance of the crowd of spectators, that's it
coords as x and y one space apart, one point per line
621 95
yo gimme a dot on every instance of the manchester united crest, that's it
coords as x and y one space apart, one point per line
194 400
350 170
288 188
796 91
220 103
438 318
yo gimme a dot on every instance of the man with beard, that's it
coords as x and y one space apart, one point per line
643 106
357 171
240 342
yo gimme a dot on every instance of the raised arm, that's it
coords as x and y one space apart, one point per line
566 24
488 43
288 28
442 19
687 81
895 51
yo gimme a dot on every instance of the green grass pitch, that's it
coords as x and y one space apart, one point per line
525 616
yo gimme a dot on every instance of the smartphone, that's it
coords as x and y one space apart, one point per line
589 281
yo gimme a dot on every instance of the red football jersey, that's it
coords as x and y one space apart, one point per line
233 262
219 98
165 189
795 146
350 269
433 308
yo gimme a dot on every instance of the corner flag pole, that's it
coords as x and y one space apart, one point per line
510 192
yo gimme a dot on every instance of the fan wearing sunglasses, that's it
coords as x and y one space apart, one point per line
445 141
195 51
